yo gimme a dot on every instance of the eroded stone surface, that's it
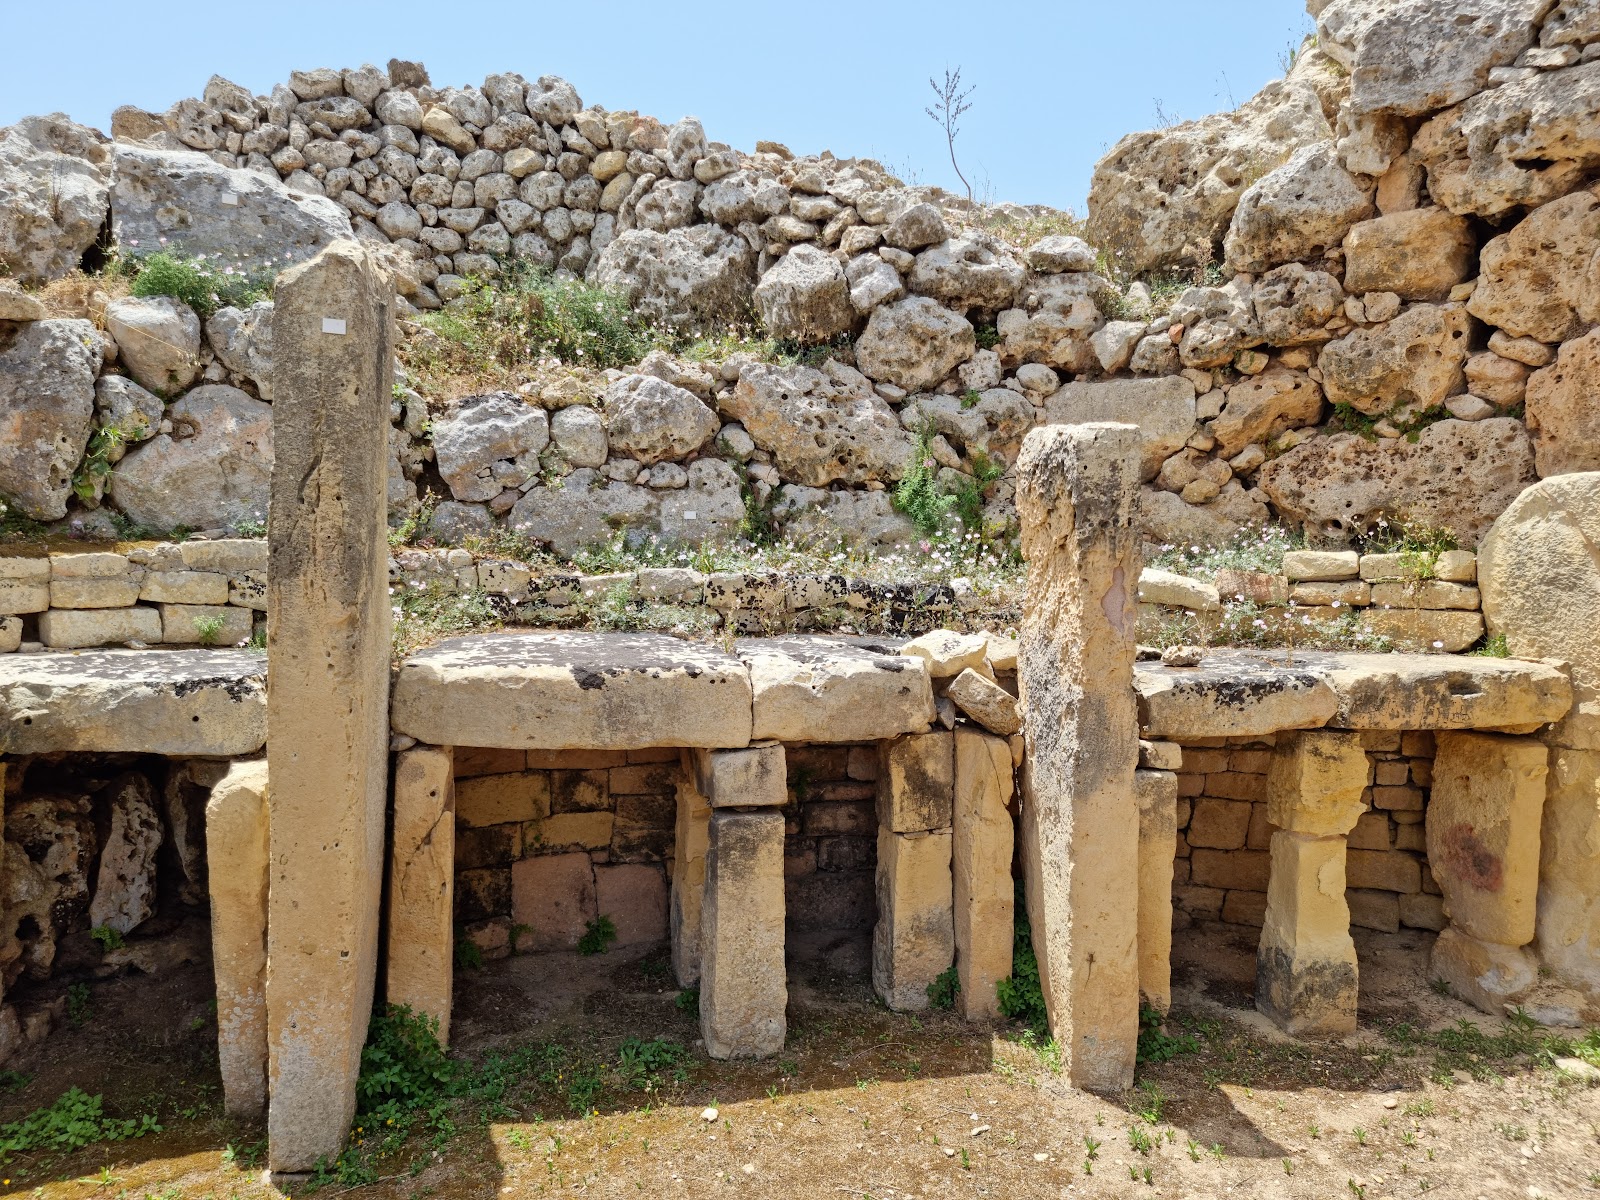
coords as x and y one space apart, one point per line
555 691
1231 694
420 958
1157 795
743 988
834 690
1306 962
1425 691
236 847
177 702
982 841
913 942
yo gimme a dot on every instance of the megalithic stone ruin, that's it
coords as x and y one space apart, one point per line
328 705
1076 487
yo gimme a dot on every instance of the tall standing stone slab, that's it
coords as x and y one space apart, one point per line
1076 490
743 989
1306 975
982 843
1157 792
328 709
690 844
1539 572
420 944
236 858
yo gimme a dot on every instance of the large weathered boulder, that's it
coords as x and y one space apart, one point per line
1514 146
865 519
822 426
1539 574
1167 196
158 340
1406 58
1263 406
47 371
805 296
54 185
489 443
1414 361
709 507
1297 211
584 510
1162 408
651 419
186 201
1561 410
914 343
1165 518
1541 279
972 270
213 469
242 342
1292 304
690 278
1457 475
1419 254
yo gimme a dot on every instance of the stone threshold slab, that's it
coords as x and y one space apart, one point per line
1240 693
177 702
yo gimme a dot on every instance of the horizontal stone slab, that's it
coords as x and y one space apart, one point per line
179 702
1236 693
565 691
1438 691
1230 694
820 689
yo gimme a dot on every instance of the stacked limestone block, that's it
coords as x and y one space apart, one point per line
210 593
1415 601
1224 834
548 841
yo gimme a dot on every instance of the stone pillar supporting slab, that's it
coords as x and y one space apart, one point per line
744 990
982 842
914 939
752 777
420 946
1157 793
1076 490
328 650
1569 867
1306 974
690 843
236 861
1483 848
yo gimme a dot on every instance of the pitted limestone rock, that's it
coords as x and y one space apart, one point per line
835 690
54 178
47 382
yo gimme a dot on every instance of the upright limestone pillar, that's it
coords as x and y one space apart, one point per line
420 946
744 990
236 862
690 843
1076 489
1306 978
328 647
1157 792
913 942
982 840
1483 848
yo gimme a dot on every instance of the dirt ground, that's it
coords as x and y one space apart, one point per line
863 1102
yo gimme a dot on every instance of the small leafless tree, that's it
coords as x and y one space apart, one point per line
946 112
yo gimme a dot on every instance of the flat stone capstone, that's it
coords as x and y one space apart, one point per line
178 702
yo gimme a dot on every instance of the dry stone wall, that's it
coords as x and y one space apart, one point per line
1391 315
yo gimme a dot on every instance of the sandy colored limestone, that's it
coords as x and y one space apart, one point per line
1306 964
913 942
916 778
1076 490
328 655
1157 793
743 987
982 841
420 953
753 777
236 854
690 841
1315 782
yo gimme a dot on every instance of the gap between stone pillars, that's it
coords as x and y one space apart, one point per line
1483 831
236 873
1306 974
744 989
419 954
913 942
328 651
1076 491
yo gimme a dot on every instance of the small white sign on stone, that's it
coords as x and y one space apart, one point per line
690 515
230 200
333 325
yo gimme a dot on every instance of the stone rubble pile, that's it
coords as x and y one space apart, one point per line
1400 326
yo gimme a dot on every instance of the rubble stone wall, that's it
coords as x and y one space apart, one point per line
1390 315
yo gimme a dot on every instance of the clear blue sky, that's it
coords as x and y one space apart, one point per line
1057 83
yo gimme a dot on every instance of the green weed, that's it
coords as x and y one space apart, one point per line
598 935
943 990
74 1121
